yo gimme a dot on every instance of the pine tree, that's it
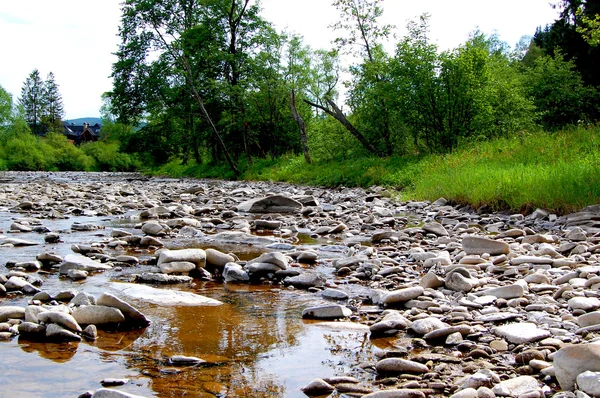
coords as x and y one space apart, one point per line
32 100
52 110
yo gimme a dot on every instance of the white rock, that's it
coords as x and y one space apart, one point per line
165 297
426 325
327 312
516 387
589 382
177 267
572 360
521 333
196 256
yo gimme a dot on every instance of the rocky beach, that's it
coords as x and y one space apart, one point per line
127 285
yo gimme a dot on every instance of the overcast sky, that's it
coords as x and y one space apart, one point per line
75 39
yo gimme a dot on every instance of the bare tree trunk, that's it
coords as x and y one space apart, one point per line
302 127
340 117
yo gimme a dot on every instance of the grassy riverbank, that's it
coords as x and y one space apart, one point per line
559 172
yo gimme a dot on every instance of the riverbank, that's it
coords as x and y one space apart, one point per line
557 172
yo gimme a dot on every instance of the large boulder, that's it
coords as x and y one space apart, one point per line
271 204
572 360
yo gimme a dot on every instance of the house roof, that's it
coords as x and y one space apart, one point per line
77 130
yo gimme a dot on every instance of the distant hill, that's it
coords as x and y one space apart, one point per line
81 120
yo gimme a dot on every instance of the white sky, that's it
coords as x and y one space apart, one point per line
75 39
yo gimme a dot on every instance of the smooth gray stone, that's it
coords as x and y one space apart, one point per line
11 312
30 328
570 361
131 313
305 280
196 256
79 262
271 204
97 315
111 393
403 295
54 331
234 273
399 365
61 318
479 245
327 312
505 292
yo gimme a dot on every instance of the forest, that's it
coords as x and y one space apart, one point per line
209 88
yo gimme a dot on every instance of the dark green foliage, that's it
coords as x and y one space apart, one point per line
559 93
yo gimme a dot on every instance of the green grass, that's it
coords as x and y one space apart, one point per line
559 172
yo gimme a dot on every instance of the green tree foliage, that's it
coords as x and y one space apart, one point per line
6 109
565 36
42 103
53 109
32 100
442 99
559 93
175 53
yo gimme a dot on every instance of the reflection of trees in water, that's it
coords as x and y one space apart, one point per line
252 321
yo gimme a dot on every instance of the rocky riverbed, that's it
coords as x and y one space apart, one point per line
146 286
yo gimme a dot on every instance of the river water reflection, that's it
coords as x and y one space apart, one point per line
254 345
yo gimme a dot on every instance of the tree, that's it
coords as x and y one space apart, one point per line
559 93
53 110
32 100
6 109
566 35
362 34
589 28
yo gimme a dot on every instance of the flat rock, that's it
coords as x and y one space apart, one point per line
521 333
56 332
393 321
111 393
234 273
164 297
402 295
397 393
589 383
435 228
516 387
61 318
506 292
327 312
82 263
177 267
399 365
479 245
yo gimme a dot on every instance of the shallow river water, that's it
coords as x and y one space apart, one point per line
256 344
